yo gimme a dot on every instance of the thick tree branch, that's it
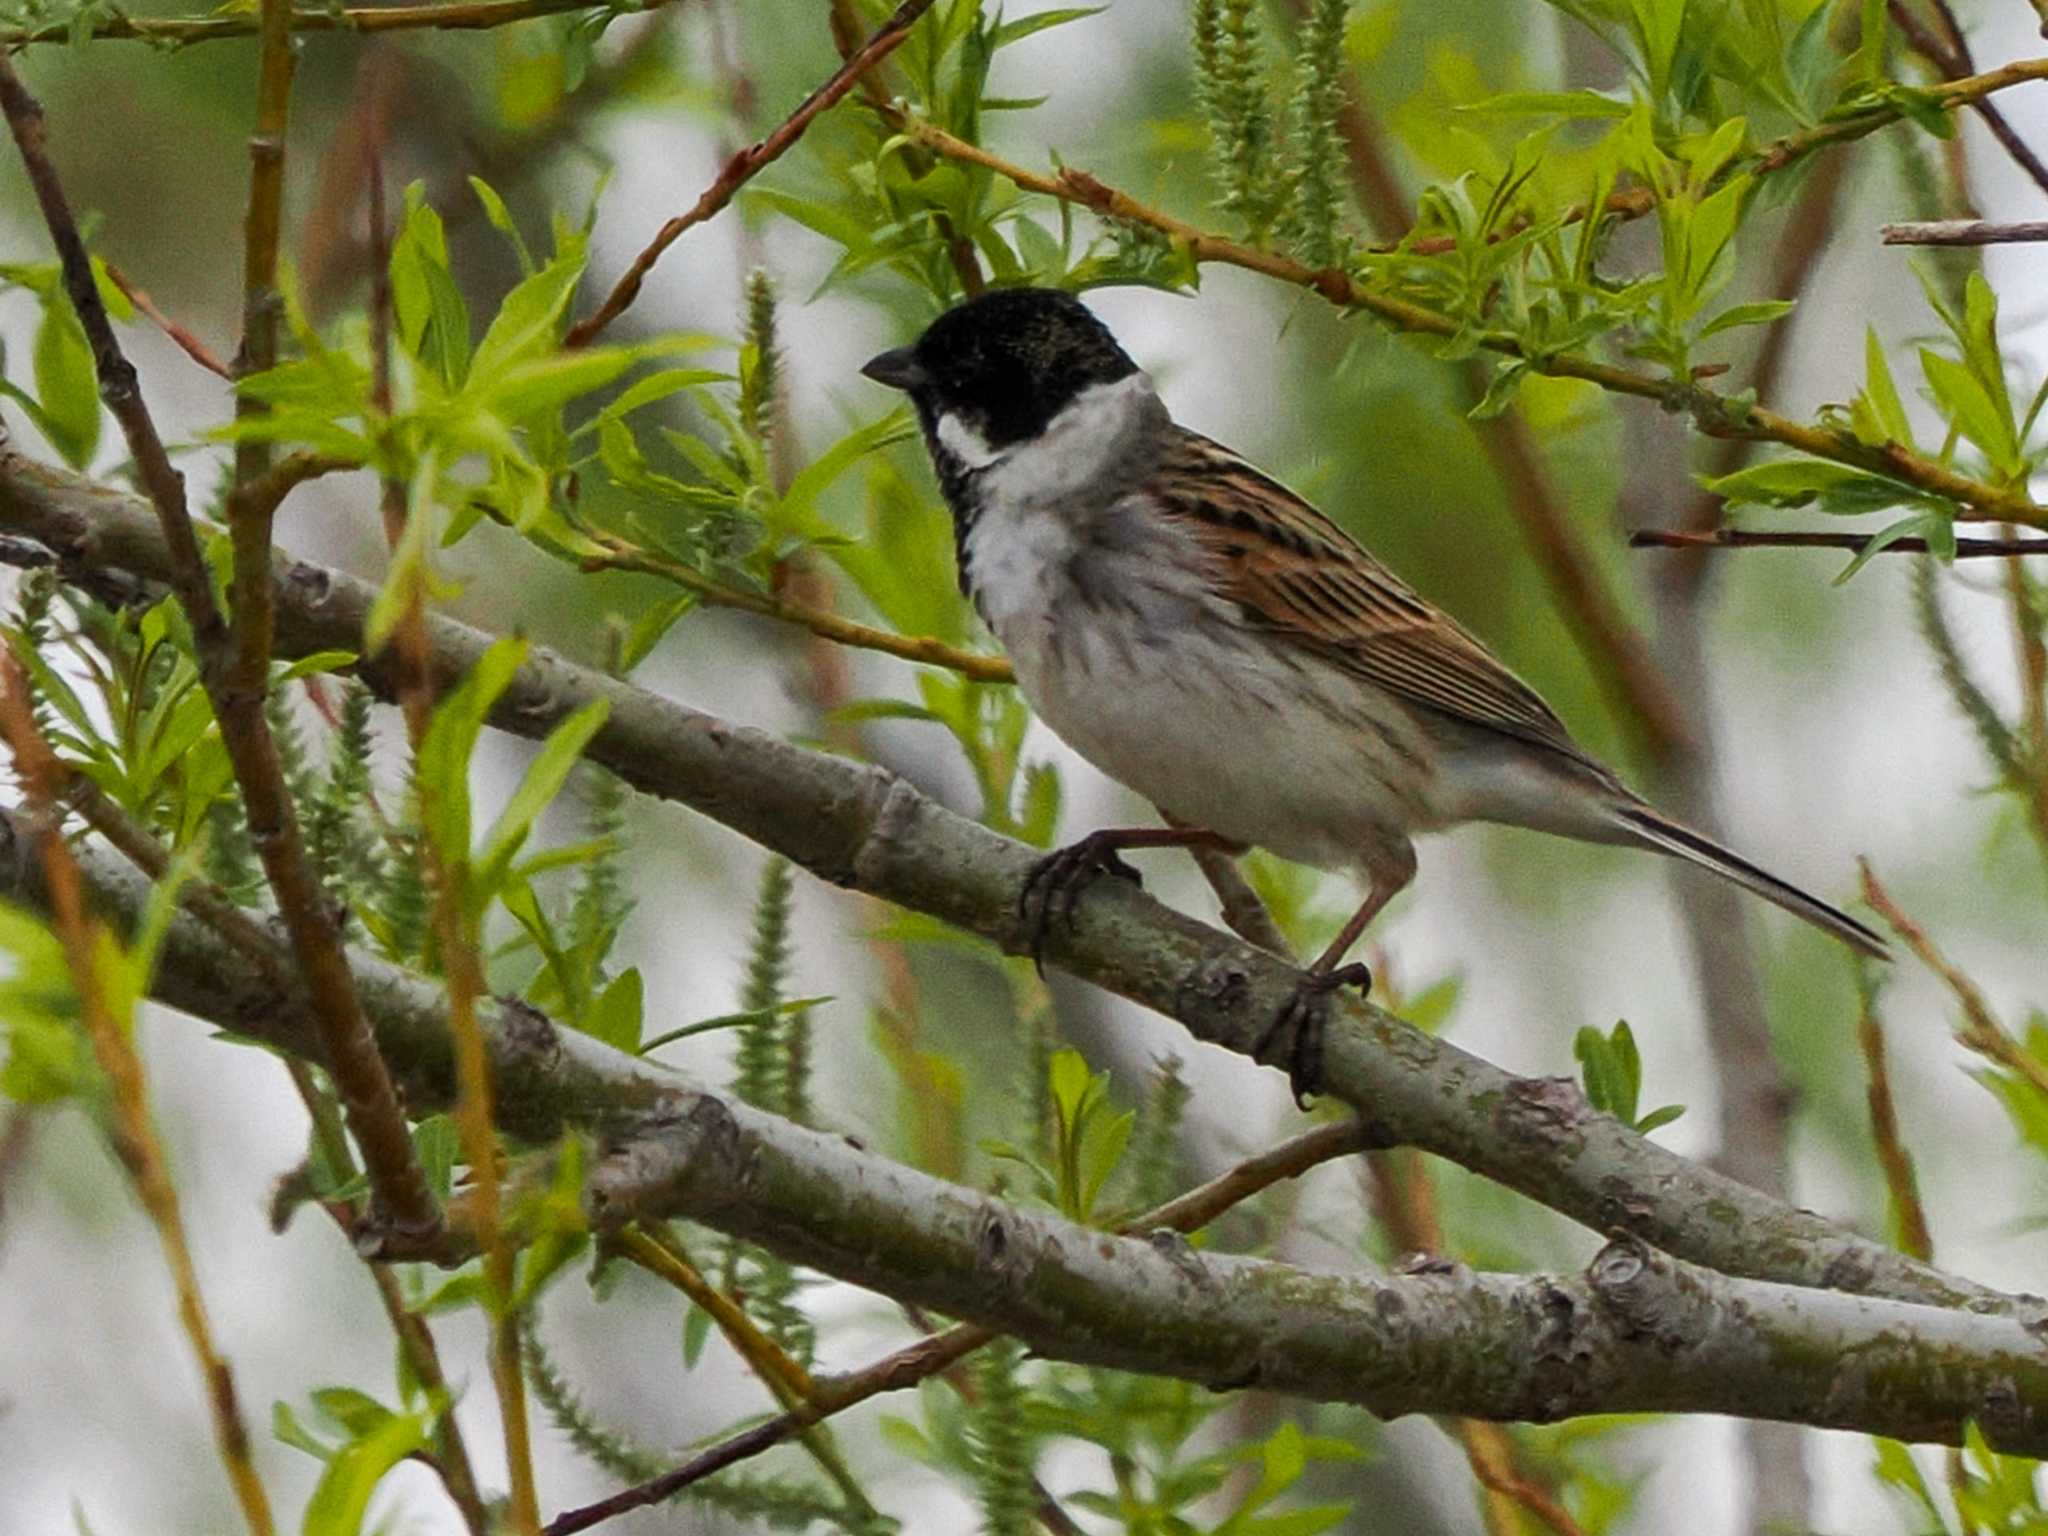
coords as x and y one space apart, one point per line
861 826
1639 1331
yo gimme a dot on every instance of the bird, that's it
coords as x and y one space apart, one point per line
1207 638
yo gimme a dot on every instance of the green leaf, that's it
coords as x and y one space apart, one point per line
1762 312
433 320
437 1144
1937 527
1801 482
654 622
67 385
342 1497
615 1018
1658 1118
526 323
1877 414
443 767
1984 418
1570 104
543 780
1024 26
501 220
696 1329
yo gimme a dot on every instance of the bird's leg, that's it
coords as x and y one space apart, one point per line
1056 883
1305 1013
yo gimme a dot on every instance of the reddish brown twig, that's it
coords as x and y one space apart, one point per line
184 339
359 1072
1855 543
1892 1156
1981 1030
1952 61
746 165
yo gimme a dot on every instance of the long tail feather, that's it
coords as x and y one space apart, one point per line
1682 842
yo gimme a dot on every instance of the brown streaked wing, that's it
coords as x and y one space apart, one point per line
1301 575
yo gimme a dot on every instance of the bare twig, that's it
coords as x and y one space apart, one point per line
1854 543
1981 1030
1965 232
1952 60
747 164
132 1131
185 340
359 1072
1908 1213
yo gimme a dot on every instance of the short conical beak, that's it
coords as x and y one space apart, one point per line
897 368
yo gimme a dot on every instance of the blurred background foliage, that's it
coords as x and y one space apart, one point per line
715 450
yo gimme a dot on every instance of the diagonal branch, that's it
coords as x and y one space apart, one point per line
180 31
861 826
1713 414
1638 1331
747 164
349 1050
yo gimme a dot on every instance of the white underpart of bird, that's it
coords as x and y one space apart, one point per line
1131 643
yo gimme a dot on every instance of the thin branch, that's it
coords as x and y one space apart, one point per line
181 31
185 340
350 1051
1965 232
747 164
132 1131
1713 414
1854 543
781 1371
1953 62
1981 1030
1908 1213
621 556
662 1256
861 826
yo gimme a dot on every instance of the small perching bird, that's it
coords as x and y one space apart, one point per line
1210 640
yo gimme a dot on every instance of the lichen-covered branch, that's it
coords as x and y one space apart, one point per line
861 826
1639 1331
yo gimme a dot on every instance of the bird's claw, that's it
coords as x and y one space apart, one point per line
1304 1016
1056 882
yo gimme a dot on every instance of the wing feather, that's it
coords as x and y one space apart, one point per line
1294 572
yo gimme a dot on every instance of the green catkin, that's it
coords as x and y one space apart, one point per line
1003 1461
1991 729
779 1503
1230 76
1315 148
761 374
1155 1161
